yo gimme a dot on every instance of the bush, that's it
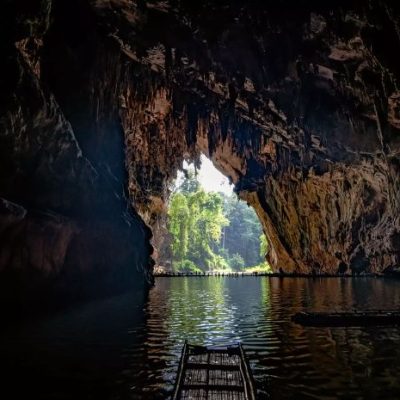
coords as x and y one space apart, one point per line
260 268
186 266
220 263
236 262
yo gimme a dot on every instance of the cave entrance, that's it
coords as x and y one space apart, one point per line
209 229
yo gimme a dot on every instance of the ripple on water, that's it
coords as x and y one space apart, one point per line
288 361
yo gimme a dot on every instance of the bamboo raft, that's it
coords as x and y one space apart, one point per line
367 318
214 373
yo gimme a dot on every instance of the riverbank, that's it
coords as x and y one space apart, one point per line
271 274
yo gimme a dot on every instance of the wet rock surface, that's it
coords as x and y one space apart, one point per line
298 105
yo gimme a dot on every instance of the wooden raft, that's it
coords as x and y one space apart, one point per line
367 318
214 373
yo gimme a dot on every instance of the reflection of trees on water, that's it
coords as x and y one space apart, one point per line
196 309
200 311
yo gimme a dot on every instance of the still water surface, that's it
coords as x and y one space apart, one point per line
119 349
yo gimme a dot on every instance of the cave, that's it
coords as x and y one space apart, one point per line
101 102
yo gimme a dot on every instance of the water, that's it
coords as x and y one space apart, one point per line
124 349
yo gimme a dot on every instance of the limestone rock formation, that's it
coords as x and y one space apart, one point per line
101 101
296 104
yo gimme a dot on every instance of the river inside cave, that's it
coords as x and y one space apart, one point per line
122 348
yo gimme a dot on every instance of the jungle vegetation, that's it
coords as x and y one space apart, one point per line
212 231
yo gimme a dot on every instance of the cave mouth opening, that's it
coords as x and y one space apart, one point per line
207 227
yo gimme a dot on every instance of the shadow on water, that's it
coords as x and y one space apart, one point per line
125 348
74 354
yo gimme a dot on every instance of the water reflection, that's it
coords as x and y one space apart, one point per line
128 347
202 314
288 361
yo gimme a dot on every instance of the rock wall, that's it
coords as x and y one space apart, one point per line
66 225
102 100
297 104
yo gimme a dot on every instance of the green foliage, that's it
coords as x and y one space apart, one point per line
236 262
219 263
178 225
186 266
211 231
263 246
196 220
260 268
190 184
242 236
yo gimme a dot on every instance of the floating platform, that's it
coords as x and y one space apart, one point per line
367 318
214 373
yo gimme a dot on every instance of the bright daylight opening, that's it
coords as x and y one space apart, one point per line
210 230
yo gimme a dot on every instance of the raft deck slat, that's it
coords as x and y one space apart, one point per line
211 373
212 366
367 318
217 395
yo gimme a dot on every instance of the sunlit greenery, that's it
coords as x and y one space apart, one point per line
212 231
260 268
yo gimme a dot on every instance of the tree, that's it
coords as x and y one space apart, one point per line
178 213
236 262
190 183
263 245
196 220
242 234
211 230
206 221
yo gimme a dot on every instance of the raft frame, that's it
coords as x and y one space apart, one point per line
211 372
